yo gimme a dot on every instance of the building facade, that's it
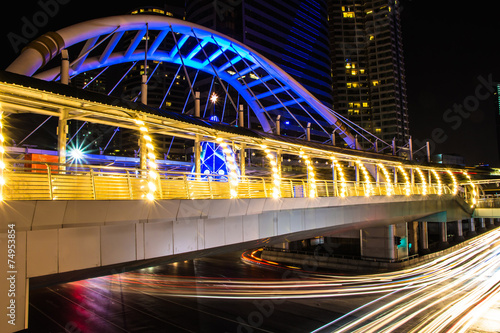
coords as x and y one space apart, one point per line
368 66
293 34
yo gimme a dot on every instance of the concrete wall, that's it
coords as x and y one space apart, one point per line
55 237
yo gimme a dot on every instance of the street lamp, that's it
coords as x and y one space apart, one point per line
213 99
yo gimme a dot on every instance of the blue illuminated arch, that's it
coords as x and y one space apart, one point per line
266 88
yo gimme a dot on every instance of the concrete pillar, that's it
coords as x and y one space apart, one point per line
412 238
443 235
497 221
472 228
490 224
424 238
459 237
378 242
482 225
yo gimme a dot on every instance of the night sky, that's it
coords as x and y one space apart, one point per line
450 49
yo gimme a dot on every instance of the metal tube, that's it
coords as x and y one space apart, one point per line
242 156
410 145
197 104
144 89
424 236
64 67
62 132
241 117
428 148
197 153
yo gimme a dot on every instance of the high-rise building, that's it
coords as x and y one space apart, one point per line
368 66
293 34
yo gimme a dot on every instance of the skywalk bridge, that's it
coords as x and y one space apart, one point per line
74 220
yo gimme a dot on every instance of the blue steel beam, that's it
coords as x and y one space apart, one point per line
31 59
135 43
111 46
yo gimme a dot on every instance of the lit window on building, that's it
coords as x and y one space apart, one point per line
349 15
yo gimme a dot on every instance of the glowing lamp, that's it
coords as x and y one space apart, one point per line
214 98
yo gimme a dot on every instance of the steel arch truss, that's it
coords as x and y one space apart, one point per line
266 88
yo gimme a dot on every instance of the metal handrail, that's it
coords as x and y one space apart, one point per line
87 182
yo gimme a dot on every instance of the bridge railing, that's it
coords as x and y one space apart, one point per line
46 181
489 201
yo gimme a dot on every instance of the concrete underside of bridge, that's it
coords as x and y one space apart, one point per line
60 241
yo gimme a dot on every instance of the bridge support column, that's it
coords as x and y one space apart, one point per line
424 238
443 235
459 237
497 222
378 242
490 224
385 242
472 228
482 225
412 238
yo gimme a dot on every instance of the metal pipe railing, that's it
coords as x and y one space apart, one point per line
46 181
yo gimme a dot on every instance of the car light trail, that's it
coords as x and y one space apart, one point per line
443 295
